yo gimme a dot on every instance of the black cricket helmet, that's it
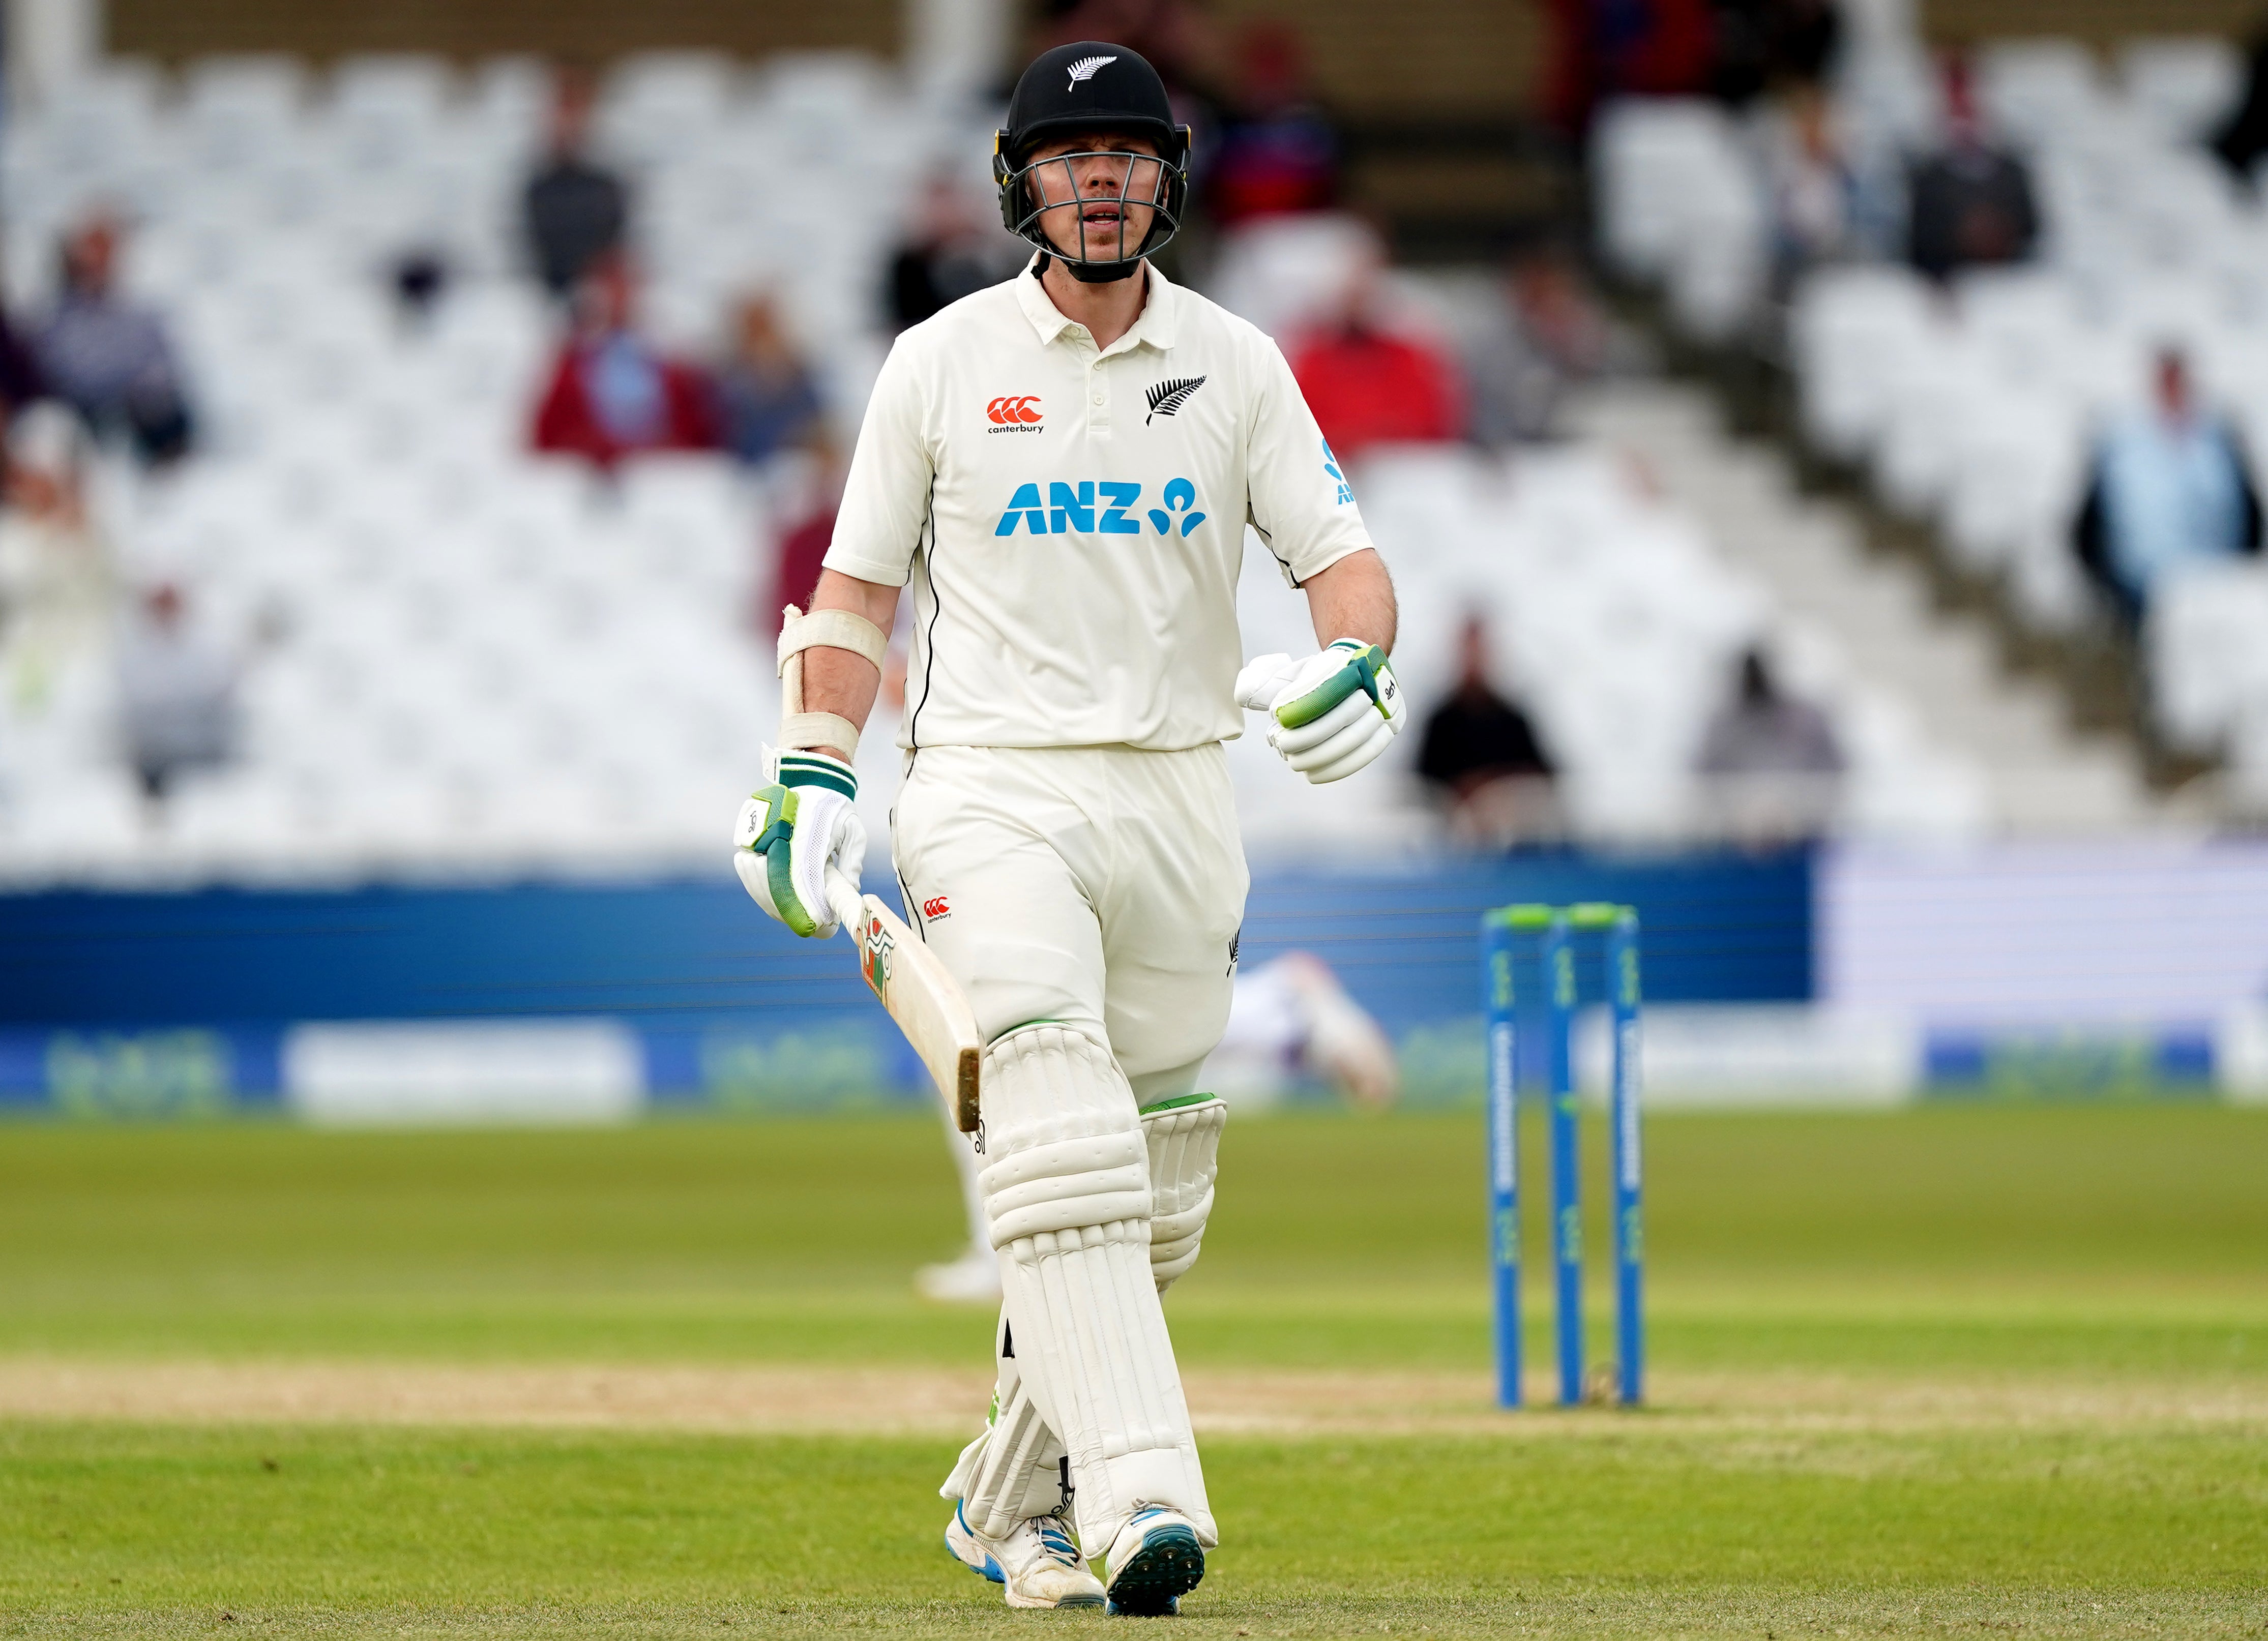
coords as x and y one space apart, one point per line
1092 85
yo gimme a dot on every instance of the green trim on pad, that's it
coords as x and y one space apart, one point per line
1177 1101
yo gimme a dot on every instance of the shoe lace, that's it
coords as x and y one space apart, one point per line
1055 1540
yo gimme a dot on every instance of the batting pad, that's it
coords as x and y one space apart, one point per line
1013 1471
1184 1144
1068 1199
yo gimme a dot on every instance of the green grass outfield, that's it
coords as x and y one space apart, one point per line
1938 1372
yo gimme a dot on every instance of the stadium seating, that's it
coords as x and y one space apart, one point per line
491 663
1971 409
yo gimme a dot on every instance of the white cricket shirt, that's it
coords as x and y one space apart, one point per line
1072 521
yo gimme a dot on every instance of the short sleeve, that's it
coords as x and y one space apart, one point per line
1300 501
886 498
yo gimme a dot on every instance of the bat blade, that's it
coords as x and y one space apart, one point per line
914 988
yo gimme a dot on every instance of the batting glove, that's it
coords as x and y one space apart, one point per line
1329 714
791 831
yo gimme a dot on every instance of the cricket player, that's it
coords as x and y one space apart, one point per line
1061 468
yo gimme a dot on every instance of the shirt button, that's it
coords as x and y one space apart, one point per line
1098 399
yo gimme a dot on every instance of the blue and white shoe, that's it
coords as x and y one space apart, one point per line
1154 1560
1037 1564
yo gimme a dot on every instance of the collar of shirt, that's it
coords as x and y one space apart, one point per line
1155 324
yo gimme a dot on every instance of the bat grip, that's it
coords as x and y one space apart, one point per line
848 904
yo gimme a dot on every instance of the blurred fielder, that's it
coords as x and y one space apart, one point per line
1062 468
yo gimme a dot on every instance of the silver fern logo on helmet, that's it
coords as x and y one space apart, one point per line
1085 67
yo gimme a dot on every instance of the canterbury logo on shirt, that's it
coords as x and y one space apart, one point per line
1015 413
1100 507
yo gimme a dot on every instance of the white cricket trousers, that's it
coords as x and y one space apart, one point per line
1098 886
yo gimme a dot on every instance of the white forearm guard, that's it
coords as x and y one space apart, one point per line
836 629
1183 1138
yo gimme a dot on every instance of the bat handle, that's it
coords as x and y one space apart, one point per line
849 905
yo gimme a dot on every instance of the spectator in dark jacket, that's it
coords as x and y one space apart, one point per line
577 210
2169 487
1477 735
1761 44
21 379
612 393
764 391
946 259
1969 204
108 358
1481 756
2243 138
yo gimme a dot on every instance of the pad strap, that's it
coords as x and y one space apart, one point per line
836 629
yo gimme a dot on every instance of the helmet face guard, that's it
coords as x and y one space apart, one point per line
1161 185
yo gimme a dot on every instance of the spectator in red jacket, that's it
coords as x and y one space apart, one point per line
612 393
1369 385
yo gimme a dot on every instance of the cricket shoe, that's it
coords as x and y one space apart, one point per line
1037 1564
1154 1560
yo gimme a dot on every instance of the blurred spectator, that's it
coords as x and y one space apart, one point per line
177 691
107 358
577 210
1277 150
946 259
1826 206
1546 334
1480 754
1764 43
764 392
1764 732
55 567
1598 49
2244 138
2168 486
612 393
1970 204
1771 765
20 378
1369 385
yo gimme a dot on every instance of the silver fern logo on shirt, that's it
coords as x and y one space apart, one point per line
1170 395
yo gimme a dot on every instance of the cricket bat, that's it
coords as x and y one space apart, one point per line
918 993
902 972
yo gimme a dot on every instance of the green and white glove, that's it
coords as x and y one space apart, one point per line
791 831
1329 714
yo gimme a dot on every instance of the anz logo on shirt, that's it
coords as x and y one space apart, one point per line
1075 509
